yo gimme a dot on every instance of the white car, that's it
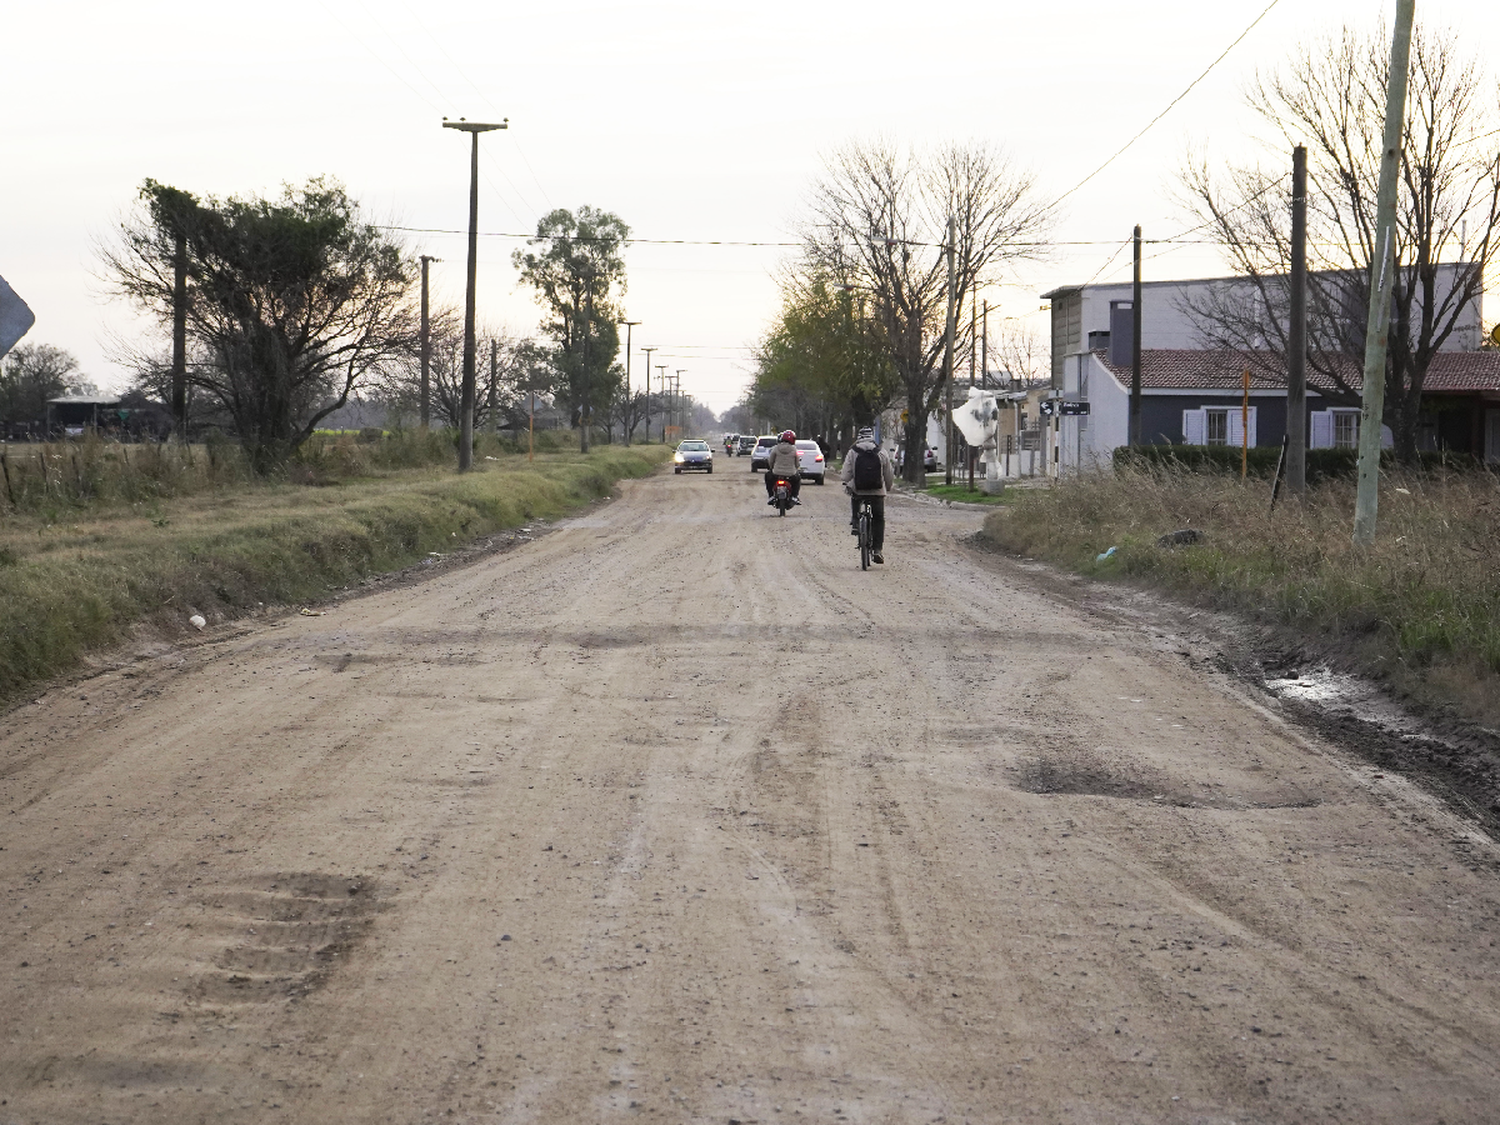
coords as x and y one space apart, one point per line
810 464
693 454
762 451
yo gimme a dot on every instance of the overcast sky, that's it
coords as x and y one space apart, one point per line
696 123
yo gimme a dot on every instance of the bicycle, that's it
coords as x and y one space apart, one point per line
863 522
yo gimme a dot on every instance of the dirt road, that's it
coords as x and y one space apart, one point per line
673 814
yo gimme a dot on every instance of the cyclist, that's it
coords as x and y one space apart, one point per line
783 462
867 472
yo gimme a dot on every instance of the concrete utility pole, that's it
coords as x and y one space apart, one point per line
1296 359
677 398
466 398
629 414
426 390
1135 345
1382 279
648 352
947 370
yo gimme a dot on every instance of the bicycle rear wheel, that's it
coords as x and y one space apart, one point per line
864 537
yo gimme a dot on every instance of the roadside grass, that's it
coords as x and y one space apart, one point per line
1420 608
81 575
961 494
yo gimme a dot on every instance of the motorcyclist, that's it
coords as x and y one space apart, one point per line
784 462
865 442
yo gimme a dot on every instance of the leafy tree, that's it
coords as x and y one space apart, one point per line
292 301
1331 97
879 223
577 267
30 375
822 366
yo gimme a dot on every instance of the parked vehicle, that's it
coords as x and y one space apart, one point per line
810 461
693 454
762 451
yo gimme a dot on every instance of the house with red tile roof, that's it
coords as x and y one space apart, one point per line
1217 396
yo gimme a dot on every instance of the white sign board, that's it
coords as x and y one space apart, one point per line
16 318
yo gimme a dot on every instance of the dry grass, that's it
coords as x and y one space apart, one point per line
78 575
1421 607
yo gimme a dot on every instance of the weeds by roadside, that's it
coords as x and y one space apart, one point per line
76 576
1421 607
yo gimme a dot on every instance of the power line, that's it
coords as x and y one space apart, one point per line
1170 106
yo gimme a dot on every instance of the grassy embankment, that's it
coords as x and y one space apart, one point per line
1421 608
98 539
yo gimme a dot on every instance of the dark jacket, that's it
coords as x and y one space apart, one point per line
887 474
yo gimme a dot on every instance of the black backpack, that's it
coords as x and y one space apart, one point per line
867 474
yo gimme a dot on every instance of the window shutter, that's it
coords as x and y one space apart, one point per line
1322 430
1235 429
1252 441
1195 427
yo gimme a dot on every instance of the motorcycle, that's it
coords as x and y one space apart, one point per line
781 495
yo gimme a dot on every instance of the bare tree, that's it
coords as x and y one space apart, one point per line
1331 97
878 225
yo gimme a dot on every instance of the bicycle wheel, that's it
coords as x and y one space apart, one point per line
864 537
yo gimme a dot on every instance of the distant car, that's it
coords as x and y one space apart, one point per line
745 445
810 464
761 454
929 460
693 454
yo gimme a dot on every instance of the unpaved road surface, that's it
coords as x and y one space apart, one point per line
673 814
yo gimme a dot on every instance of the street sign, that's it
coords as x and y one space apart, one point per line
16 318
1048 407
1066 407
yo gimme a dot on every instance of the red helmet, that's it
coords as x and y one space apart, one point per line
788 435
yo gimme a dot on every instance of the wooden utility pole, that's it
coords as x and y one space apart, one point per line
489 401
947 369
466 398
629 412
1135 345
667 404
1296 358
425 394
984 348
1382 279
648 352
179 333
584 410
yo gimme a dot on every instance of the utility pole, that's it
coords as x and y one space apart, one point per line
489 402
1296 360
677 398
1135 345
584 410
426 388
629 413
648 352
466 399
1367 493
179 332
984 349
666 409
947 371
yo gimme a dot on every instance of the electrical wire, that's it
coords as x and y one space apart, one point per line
1266 11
